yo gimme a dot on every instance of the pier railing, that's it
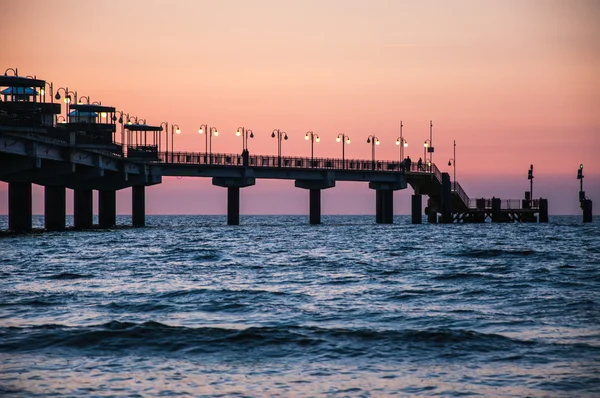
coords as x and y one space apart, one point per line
220 159
505 204
456 187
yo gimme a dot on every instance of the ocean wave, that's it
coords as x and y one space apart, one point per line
116 336
68 275
492 253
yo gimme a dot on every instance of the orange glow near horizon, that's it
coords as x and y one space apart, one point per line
514 82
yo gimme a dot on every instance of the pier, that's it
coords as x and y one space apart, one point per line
85 152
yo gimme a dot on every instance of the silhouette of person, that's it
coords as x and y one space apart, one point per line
420 164
408 163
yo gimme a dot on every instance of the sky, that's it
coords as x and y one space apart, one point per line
514 83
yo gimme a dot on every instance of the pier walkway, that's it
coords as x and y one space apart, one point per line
82 152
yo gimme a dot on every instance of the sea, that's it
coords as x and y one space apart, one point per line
274 307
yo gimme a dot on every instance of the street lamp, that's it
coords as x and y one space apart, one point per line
312 137
401 142
430 148
58 119
209 131
79 101
166 124
43 92
426 146
243 132
201 130
13 70
120 120
451 162
280 135
174 129
371 139
344 139
67 99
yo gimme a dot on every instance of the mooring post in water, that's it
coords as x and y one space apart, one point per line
585 203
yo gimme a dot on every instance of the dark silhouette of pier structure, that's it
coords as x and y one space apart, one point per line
84 151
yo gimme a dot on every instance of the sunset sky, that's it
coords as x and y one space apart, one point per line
513 82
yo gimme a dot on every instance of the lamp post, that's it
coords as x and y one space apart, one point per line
79 101
312 137
243 132
426 146
166 124
371 139
67 99
120 120
530 178
401 142
452 162
209 131
430 149
280 135
43 92
344 139
174 129
15 71
202 130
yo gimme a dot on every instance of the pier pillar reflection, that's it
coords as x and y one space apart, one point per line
138 205
107 208
54 207
19 206
82 208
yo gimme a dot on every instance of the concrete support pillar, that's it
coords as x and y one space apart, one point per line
138 205
416 209
107 208
54 207
543 216
315 187
315 206
446 199
496 210
388 206
233 206
586 206
19 206
432 216
82 212
378 206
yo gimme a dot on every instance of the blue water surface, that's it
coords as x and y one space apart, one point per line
189 306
